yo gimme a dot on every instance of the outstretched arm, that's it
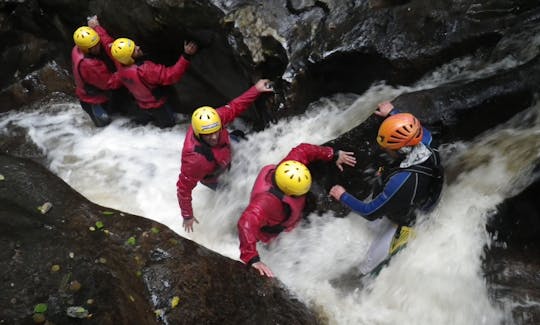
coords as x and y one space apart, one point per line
184 188
191 172
249 226
379 204
104 38
160 75
241 103
307 153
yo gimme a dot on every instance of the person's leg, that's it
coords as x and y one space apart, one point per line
141 116
163 116
379 250
97 113
401 239
237 135
123 103
211 184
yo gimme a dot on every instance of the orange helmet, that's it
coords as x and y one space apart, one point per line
399 130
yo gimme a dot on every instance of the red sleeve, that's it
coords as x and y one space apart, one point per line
160 75
238 105
114 81
250 223
306 153
96 73
105 39
194 168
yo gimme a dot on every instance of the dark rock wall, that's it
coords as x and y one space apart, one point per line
128 270
311 48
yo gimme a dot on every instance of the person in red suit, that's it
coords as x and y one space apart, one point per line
206 153
278 198
93 79
146 79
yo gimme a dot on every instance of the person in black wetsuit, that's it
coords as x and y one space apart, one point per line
415 185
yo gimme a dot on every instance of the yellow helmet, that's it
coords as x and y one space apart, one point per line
293 178
122 49
85 38
205 120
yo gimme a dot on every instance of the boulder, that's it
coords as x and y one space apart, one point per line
63 251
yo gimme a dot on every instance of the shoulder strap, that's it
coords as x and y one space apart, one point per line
206 151
435 172
276 229
280 195
277 193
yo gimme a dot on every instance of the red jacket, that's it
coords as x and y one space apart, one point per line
144 79
195 166
91 74
105 39
266 209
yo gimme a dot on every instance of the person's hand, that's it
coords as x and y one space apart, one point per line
264 86
93 21
263 269
345 157
337 191
188 224
190 48
384 108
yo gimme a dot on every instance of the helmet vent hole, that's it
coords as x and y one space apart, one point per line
400 132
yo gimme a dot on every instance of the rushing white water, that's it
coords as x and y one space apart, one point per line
437 279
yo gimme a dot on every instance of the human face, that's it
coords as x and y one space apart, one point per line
95 50
137 53
211 139
392 153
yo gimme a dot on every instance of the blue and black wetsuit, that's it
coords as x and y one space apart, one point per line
405 190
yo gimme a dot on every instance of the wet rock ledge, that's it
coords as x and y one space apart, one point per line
110 267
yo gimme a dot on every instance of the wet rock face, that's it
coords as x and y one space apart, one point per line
42 84
517 219
512 271
311 48
397 41
121 269
511 264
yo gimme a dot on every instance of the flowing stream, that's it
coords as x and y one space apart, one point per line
437 279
